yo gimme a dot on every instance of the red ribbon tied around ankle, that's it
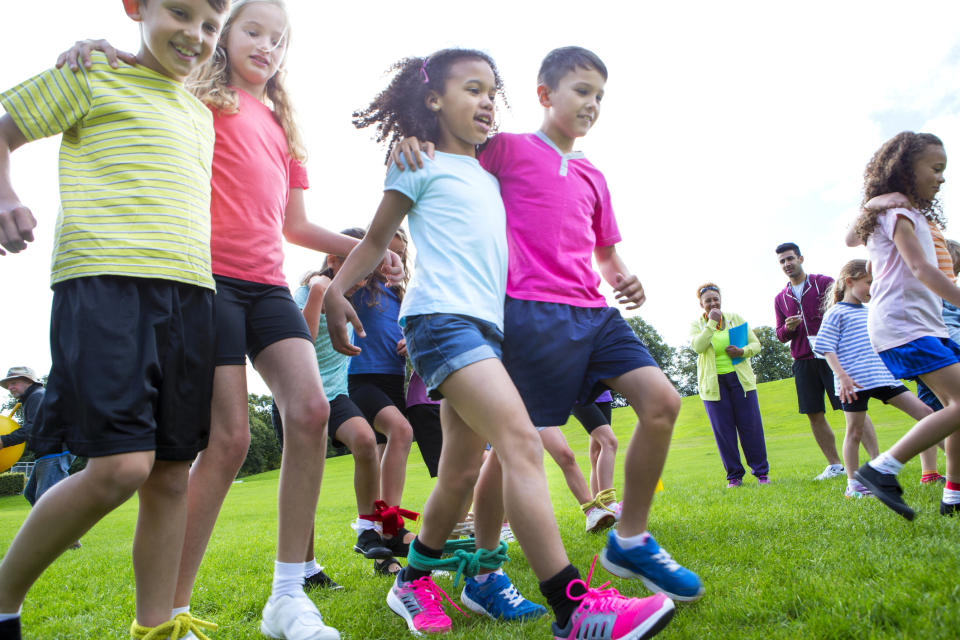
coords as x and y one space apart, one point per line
392 517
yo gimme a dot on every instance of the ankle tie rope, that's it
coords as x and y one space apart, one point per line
178 627
463 558
390 517
601 501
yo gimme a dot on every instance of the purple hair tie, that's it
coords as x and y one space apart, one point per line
423 70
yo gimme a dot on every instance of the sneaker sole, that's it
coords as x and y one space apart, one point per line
878 493
654 624
374 553
397 607
603 523
623 572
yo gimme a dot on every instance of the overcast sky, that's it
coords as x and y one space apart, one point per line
726 129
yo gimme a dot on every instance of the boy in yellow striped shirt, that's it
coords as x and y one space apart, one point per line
132 320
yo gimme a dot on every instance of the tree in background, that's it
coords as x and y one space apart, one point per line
774 361
264 452
685 371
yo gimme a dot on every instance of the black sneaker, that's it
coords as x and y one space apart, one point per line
10 629
948 509
371 545
320 580
396 545
885 488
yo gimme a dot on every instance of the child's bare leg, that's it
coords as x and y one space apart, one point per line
488 504
916 409
359 438
851 440
868 438
485 399
66 512
606 441
593 450
945 383
289 367
556 445
158 541
952 445
214 470
657 405
393 467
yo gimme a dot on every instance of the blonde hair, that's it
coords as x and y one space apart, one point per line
211 83
855 269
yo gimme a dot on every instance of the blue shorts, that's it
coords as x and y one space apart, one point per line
559 355
920 356
440 343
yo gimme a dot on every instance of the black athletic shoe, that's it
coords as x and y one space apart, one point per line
396 545
371 545
885 488
948 509
320 580
10 629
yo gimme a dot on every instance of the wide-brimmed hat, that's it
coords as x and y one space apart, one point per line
19 372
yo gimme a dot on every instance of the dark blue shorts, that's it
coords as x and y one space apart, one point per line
920 356
559 355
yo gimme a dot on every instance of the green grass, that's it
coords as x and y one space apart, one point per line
790 560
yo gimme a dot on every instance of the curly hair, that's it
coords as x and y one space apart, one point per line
855 269
706 286
211 83
892 169
400 110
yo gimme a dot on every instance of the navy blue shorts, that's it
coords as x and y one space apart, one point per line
440 343
251 316
884 394
920 356
559 355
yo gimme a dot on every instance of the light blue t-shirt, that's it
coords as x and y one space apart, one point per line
844 332
459 228
333 364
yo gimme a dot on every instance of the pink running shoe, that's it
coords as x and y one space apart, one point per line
604 614
420 603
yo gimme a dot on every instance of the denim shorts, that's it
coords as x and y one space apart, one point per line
920 356
48 471
440 343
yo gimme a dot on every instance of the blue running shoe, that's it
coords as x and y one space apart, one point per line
498 598
655 568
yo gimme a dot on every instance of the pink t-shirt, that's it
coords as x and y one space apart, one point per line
558 211
901 308
253 173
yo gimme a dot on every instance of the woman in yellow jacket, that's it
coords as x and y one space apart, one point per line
728 390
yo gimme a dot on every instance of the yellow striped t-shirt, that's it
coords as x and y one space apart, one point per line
134 171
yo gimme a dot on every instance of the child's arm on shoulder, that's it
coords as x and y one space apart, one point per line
905 238
361 261
313 307
627 287
300 231
80 52
407 153
16 221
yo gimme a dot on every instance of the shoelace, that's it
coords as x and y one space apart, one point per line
598 503
513 597
430 597
178 627
596 599
666 560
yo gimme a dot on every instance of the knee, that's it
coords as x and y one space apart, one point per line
306 421
523 447
116 478
462 480
663 414
231 445
564 458
365 449
400 434
606 441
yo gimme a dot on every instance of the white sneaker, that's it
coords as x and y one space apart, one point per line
599 519
295 617
506 533
832 471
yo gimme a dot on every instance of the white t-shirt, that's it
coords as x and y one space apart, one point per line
902 309
459 228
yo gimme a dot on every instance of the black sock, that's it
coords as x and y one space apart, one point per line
10 629
555 591
410 572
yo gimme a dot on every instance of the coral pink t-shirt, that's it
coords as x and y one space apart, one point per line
558 210
253 173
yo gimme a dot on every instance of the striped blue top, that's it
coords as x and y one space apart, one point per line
844 332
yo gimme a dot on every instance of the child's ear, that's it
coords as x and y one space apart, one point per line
132 7
433 101
543 93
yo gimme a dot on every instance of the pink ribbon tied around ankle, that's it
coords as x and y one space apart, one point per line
392 517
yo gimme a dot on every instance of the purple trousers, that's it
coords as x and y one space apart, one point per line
737 414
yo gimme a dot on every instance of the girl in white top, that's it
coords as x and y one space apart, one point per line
905 323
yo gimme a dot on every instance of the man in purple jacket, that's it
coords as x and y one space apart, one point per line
798 320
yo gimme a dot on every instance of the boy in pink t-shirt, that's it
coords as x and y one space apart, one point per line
559 217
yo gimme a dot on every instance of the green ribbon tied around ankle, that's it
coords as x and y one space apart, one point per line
462 557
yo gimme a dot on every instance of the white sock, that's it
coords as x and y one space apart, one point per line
361 524
10 616
886 463
632 541
287 578
310 568
178 610
951 496
482 577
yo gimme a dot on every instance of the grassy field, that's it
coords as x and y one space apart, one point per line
789 560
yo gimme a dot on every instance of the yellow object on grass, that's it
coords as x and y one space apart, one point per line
9 455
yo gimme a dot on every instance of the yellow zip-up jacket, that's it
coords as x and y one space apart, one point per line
701 340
